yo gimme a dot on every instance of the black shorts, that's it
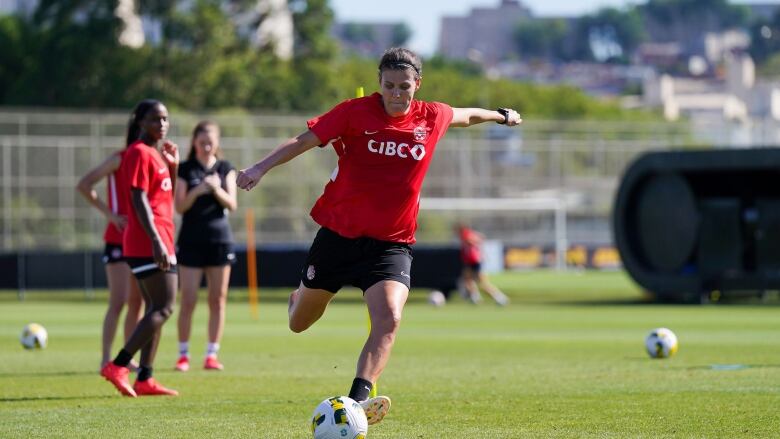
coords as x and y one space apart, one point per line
335 261
145 267
112 253
475 267
207 254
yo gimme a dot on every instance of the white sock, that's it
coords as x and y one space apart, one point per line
212 349
184 349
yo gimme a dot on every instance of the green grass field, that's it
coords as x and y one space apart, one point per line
564 360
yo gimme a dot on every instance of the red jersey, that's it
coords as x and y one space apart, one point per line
375 189
117 193
470 251
144 168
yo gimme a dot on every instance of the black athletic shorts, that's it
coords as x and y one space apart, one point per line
335 261
205 255
145 267
112 253
475 267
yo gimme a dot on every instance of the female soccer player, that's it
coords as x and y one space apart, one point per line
473 278
368 211
122 288
148 242
205 192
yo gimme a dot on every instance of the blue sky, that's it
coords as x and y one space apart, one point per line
423 16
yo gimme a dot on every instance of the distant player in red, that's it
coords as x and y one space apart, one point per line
148 242
473 278
122 288
368 211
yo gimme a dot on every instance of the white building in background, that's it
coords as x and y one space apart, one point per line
485 36
269 24
739 97
132 34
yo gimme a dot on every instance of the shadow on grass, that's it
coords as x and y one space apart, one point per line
55 398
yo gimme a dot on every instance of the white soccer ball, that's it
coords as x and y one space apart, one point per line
661 343
340 417
437 298
34 336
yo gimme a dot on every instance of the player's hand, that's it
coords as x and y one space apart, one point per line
120 221
170 152
248 178
160 254
513 118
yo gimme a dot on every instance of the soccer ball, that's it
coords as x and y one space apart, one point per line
340 417
661 343
437 298
34 336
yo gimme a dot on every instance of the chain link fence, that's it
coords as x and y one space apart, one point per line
44 153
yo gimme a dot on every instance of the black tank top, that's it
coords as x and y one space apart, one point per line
206 221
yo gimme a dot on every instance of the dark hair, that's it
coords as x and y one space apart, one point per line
140 110
202 127
398 58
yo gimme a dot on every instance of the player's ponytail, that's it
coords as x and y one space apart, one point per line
133 126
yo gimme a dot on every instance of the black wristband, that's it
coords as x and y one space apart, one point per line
504 112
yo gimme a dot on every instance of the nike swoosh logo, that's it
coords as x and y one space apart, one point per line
160 171
368 133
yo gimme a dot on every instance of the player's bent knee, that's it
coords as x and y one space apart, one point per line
166 312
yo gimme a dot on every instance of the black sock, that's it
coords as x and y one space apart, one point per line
360 389
123 358
144 373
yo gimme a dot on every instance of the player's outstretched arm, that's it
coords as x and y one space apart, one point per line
249 177
465 117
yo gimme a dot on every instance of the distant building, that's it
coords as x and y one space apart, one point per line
370 39
485 36
738 97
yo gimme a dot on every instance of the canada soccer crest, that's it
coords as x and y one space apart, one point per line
420 134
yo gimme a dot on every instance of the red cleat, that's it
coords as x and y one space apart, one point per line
183 364
212 363
152 387
117 375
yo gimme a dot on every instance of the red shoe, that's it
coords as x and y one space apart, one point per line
183 364
212 363
117 375
152 387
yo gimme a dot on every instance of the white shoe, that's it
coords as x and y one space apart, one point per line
376 408
501 299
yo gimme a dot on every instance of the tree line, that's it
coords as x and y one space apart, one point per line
66 54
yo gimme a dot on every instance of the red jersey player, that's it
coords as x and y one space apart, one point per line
122 288
368 211
473 278
148 242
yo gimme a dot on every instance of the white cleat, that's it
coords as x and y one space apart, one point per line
376 408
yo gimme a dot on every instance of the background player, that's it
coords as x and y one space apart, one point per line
205 192
472 277
148 242
122 287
